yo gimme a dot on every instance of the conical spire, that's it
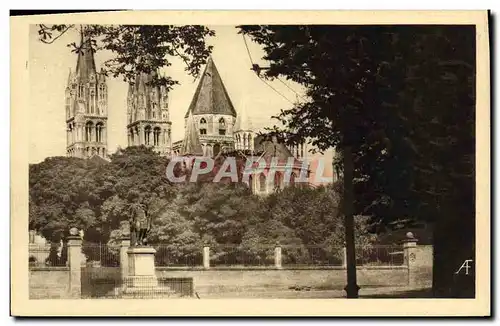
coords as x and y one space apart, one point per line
85 65
211 96
243 121
191 144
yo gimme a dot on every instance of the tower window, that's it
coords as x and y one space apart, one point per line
88 131
222 126
81 91
98 132
102 92
203 126
156 136
147 135
92 101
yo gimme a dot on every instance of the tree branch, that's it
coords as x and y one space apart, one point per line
43 27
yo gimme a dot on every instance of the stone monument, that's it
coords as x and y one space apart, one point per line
141 280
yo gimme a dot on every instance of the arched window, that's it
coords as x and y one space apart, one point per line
292 179
98 132
249 140
81 91
216 149
237 141
92 101
156 136
88 132
203 126
222 126
147 135
262 182
102 92
132 139
244 141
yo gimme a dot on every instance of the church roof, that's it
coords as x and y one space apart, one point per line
271 148
85 65
191 144
211 96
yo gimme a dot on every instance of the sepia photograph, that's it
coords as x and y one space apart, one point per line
253 160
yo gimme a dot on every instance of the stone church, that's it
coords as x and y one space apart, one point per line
86 101
212 124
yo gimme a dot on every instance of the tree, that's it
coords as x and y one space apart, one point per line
337 67
61 193
397 103
134 177
139 48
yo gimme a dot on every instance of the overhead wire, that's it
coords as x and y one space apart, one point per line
264 81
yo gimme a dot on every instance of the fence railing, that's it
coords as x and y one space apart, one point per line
226 255
173 256
101 254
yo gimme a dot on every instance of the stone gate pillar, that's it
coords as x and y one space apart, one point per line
124 245
206 257
277 256
75 264
410 256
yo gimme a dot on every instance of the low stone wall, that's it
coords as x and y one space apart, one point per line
49 283
215 281
101 281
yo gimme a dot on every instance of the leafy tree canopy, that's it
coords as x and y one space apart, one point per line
140 48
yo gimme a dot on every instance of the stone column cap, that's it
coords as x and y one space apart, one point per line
410 238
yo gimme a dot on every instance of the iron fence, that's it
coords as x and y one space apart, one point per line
174 256
380 255
101 254
296 255
234 255
243 256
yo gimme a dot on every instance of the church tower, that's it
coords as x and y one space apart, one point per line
148 121
86 106
244 134
212 112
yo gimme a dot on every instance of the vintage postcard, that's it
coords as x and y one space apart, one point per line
283 163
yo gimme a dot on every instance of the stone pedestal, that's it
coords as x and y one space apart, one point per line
141 281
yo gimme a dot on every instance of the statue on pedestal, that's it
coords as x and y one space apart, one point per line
140 225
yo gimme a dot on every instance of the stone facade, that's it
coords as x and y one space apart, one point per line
148 121
86 102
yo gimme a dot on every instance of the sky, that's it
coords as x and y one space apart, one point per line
49 67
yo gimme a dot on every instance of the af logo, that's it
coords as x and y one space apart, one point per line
465 266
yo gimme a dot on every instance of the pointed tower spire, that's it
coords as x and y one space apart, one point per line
191 144
211 96
243 121
85 65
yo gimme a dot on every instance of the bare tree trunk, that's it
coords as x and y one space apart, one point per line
352 287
